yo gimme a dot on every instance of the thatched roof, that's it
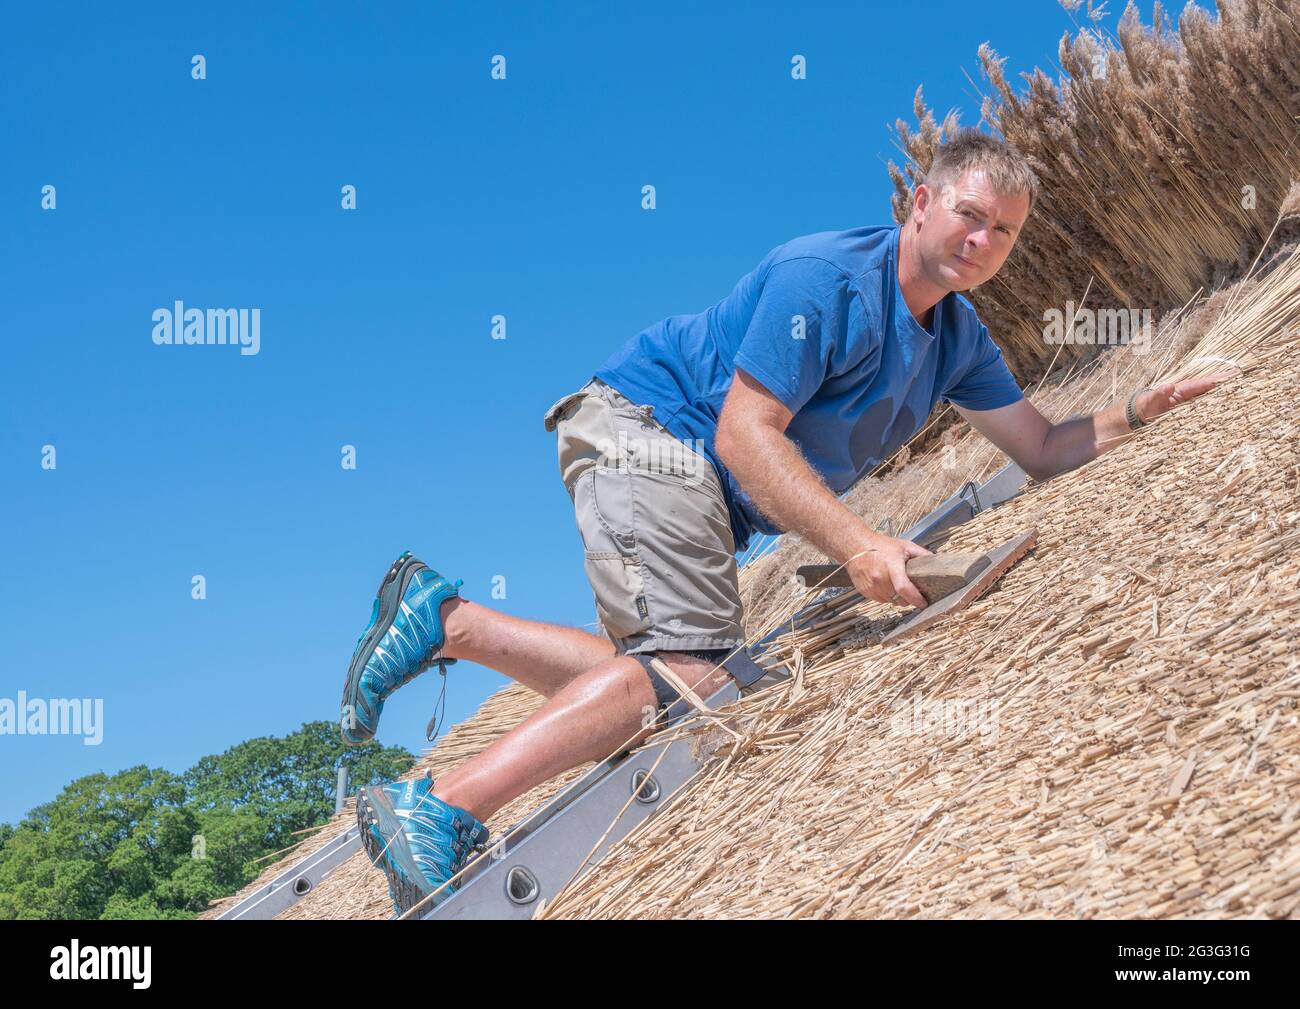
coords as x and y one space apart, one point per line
1113 732
1122 725
1131 686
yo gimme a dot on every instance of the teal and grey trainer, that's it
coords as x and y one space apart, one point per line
405 636
417 839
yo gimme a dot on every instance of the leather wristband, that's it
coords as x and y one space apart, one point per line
1131 413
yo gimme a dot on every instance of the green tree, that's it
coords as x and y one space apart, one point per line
289 782
146 843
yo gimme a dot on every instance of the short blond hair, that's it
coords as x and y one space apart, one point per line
968 148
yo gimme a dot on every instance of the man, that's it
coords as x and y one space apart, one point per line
752 416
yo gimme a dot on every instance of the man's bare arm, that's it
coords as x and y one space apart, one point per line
1043 449
751 442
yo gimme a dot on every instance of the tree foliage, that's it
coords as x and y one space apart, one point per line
147 843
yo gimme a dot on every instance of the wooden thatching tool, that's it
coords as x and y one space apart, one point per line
949 582
935 576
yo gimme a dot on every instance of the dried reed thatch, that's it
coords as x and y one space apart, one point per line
1113 732
1134 749
1162 157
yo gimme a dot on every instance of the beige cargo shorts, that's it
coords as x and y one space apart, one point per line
657 542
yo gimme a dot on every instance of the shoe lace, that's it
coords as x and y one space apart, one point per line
439 839
391 679
390 682
432 729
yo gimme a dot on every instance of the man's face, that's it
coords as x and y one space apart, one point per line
967 230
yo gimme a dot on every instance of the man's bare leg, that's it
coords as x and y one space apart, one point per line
543 657
594 715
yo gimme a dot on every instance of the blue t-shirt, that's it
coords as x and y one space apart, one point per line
822 324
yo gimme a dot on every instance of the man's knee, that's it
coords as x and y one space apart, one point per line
700 671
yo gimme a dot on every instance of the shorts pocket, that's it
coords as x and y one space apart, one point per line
602 499
671 457
556 413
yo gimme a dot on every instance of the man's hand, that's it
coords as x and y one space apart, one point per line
1163 398
879 571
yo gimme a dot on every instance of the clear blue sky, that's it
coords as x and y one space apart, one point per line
475 198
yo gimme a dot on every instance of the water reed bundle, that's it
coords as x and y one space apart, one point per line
1163 156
